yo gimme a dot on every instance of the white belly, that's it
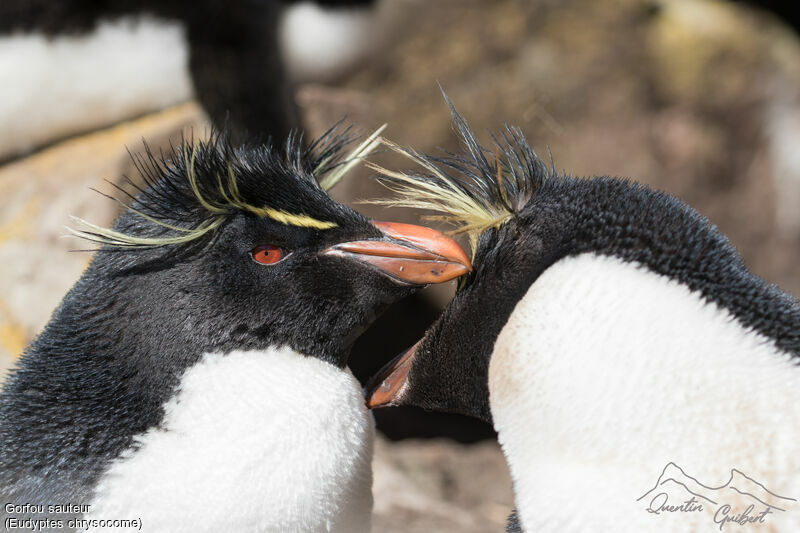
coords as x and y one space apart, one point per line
56 87
606 373
254 442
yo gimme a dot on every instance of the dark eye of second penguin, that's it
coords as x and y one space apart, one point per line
267 254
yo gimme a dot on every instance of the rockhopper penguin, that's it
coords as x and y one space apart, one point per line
195 377
610 332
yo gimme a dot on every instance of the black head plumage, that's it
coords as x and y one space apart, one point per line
194 188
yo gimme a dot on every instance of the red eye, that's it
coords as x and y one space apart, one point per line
267 254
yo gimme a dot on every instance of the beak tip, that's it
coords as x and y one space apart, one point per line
449 272
449 259
374 403
412 254
391 381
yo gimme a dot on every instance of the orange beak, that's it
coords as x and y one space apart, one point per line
387 386
411 254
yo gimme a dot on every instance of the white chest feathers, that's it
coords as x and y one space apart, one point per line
606 373
254 442
55 87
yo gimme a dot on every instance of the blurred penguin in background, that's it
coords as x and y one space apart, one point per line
74 65
617 342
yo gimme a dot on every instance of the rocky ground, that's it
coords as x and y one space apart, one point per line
696 97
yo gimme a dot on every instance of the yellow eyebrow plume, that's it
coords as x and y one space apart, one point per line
284 217
222 199
454 204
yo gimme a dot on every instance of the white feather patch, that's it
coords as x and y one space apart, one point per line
607 372
55 87
320 44
254 442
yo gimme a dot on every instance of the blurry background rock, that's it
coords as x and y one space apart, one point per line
697 97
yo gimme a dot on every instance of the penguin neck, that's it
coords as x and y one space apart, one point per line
285 436
467 393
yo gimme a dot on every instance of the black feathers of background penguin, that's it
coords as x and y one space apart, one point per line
607 330
198 367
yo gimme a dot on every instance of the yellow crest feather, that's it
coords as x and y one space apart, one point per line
220 196
453 203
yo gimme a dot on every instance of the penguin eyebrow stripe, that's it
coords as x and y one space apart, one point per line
232 200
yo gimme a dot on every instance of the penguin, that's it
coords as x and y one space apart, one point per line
75 65
627 358
195 378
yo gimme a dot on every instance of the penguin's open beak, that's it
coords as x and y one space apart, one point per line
386 387
408 253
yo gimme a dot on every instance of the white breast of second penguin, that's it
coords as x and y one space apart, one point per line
606 372
254 441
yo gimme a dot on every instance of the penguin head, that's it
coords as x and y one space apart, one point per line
522 218
242 248
447 370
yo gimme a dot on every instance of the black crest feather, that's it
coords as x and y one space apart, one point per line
194 187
